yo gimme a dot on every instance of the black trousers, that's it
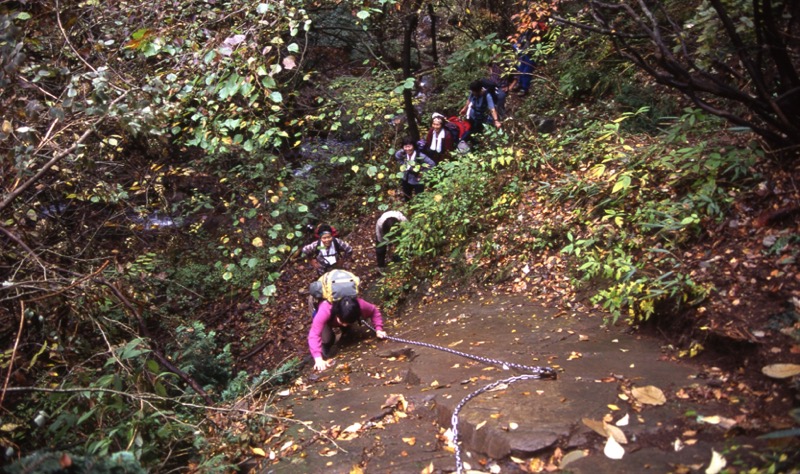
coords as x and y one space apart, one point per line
410 190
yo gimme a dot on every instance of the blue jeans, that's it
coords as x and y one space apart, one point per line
525 70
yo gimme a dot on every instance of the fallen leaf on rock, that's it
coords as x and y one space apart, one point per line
429 469
512 426
616 433
258 452
596 426
396 400
717 463
356 469
612 449
410 441
480 425
613 407
286 445
572 456
649 395
781 371
327 452
351 432
574 355
726 423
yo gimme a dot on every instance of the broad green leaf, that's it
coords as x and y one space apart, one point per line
623 182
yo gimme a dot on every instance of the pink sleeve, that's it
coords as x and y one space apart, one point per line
369 310
317 325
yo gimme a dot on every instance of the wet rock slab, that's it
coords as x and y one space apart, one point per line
522 419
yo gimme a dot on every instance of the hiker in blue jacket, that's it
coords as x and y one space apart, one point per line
479 109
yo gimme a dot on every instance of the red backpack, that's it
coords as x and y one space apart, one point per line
462 127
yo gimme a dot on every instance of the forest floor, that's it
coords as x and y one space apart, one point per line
749 322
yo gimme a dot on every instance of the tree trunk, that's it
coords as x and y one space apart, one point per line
411 114
433 35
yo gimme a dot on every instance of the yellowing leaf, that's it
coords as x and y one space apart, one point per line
410 441
781 371
572 456
257 242
649 395
258 452
616 433
613 407
596 426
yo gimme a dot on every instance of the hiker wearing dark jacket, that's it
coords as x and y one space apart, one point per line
329 251
413 163
479 109
439 142
340 314
384 225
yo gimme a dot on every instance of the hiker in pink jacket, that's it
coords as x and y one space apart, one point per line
341 314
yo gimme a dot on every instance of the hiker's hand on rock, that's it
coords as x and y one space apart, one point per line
381 334
321 364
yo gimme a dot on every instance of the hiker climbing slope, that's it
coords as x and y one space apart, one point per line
342 314
383 226
413 163
328 251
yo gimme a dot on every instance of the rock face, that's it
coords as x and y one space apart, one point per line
397 399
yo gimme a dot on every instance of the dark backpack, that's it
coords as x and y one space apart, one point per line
454 131
492 88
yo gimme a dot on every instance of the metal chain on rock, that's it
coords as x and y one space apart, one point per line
534 372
